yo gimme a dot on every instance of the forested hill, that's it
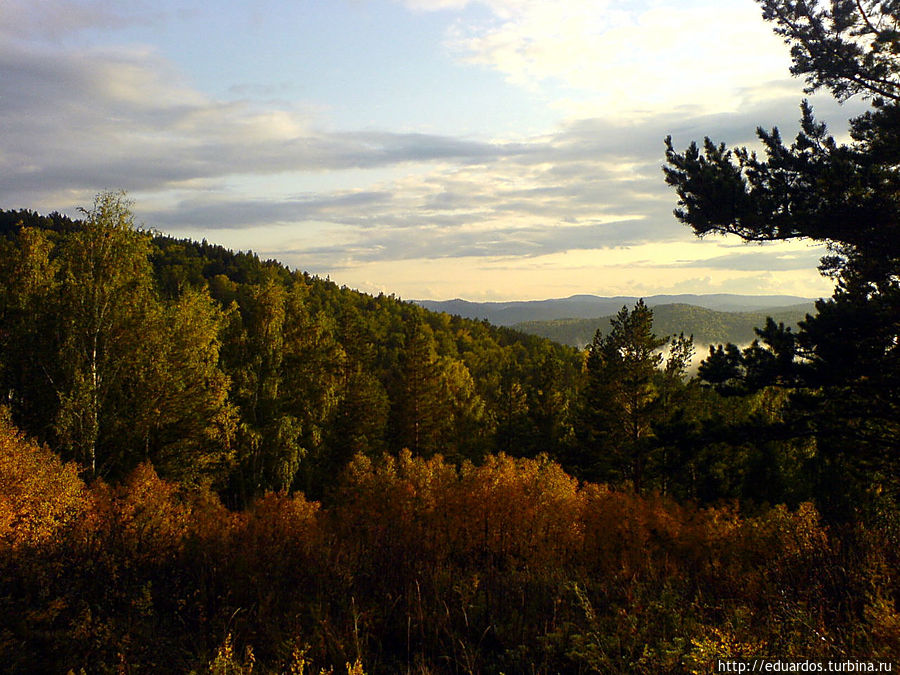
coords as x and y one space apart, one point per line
708 326
120 346
593 306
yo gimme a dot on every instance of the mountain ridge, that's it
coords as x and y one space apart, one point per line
586 306
708 326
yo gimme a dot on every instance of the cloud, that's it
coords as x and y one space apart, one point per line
435 5
54 20
80 120
605 48
435 242
598 58
126 119
208 212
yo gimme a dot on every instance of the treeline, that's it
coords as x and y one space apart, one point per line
421 567
121 346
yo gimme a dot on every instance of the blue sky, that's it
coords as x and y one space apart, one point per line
484 149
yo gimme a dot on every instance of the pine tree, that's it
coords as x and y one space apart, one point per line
417 406
843 365
626 392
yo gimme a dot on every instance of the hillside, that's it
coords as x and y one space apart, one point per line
238 467
592 306
708 326
220 367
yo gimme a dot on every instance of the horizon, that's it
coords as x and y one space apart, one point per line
618 296
488 149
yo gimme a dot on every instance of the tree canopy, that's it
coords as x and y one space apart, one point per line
121 347
843 195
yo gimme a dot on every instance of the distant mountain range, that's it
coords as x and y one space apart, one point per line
592 306
708 326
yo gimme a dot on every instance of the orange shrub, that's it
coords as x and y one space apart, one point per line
40 497
274 547
520 513
627 536
143 520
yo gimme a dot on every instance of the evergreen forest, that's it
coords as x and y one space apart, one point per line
211 463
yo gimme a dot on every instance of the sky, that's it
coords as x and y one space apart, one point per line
432 149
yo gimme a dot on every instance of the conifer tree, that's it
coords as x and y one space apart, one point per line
624 394
417 414
843 365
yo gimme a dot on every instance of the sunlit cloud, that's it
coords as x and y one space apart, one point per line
626 57
125 119
776 261
579 206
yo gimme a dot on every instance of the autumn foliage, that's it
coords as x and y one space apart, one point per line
418 566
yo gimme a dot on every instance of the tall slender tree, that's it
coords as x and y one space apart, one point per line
416 413
105 300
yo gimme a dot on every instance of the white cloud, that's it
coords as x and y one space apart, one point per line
435 5
82 120
125 119
625 56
